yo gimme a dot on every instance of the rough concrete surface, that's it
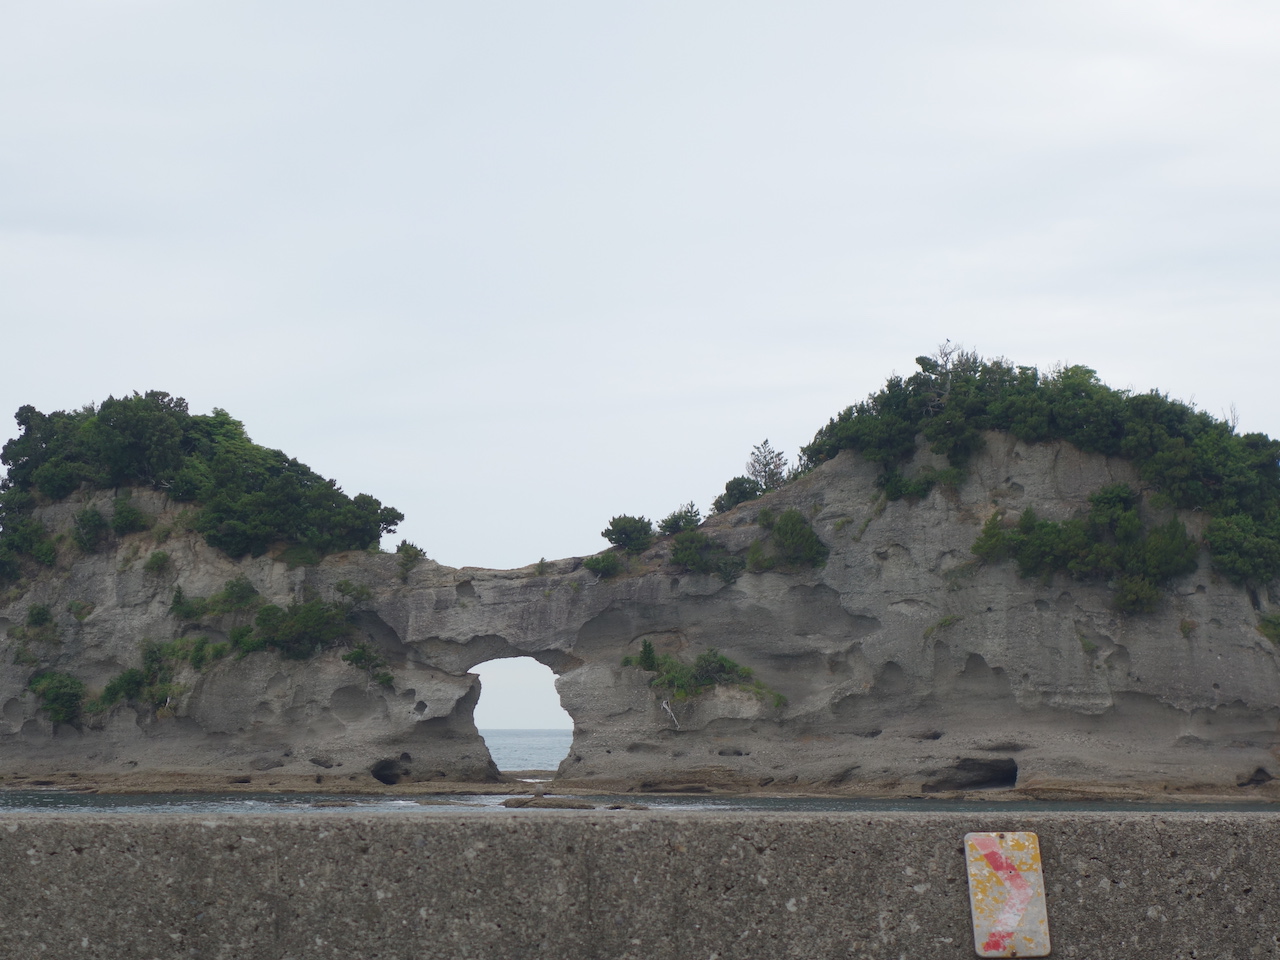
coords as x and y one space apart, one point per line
606 886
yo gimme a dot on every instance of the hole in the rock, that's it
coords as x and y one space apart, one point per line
1259 777
972 773
388 771
527 731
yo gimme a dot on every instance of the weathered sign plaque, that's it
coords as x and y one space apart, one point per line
1006 895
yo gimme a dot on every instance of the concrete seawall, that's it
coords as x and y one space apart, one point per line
572 885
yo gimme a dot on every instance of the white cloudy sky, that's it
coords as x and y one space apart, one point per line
517 267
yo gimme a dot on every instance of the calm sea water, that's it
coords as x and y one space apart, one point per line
61 802
528 749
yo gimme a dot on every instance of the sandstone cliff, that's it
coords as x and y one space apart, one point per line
905 664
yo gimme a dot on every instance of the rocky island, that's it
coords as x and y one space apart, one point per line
982 577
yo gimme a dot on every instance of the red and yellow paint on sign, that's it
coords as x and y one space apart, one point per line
1006 895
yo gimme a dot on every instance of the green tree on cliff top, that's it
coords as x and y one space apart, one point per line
248 496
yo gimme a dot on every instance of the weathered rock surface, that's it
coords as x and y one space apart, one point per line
906 666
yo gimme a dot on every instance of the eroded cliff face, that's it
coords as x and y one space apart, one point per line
906 665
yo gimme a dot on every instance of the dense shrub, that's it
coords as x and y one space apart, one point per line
632 534
25 535
709 669
898 487
791 543
695 552
1245 549
10 565
354 595
795 542
236 594
296 631
61 695
685 518
409 555
250 497
1269 627
245 641
302 629
188 608
89 529
736 491
39 615
1111 543
300 555
126 518
604 565
157 563
1194 461
127 685
152 683
364 657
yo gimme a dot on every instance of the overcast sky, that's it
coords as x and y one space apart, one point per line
514 268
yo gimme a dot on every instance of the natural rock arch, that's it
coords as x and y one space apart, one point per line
519 698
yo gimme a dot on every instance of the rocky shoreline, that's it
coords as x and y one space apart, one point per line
535 783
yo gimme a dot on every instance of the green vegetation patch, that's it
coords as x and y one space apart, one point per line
736 491
39 626
949 620
247 497
23 538
300 555
791 543
1269 627
409 555
80 609
710 669
898 487
297 631
191 609
89 529
604 565
126 518
302 629
1110 543
1194 461
695 552
686 517
61 695
152 685
633 534
767 470
237 594
364 657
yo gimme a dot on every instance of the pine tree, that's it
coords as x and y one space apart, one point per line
767 467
